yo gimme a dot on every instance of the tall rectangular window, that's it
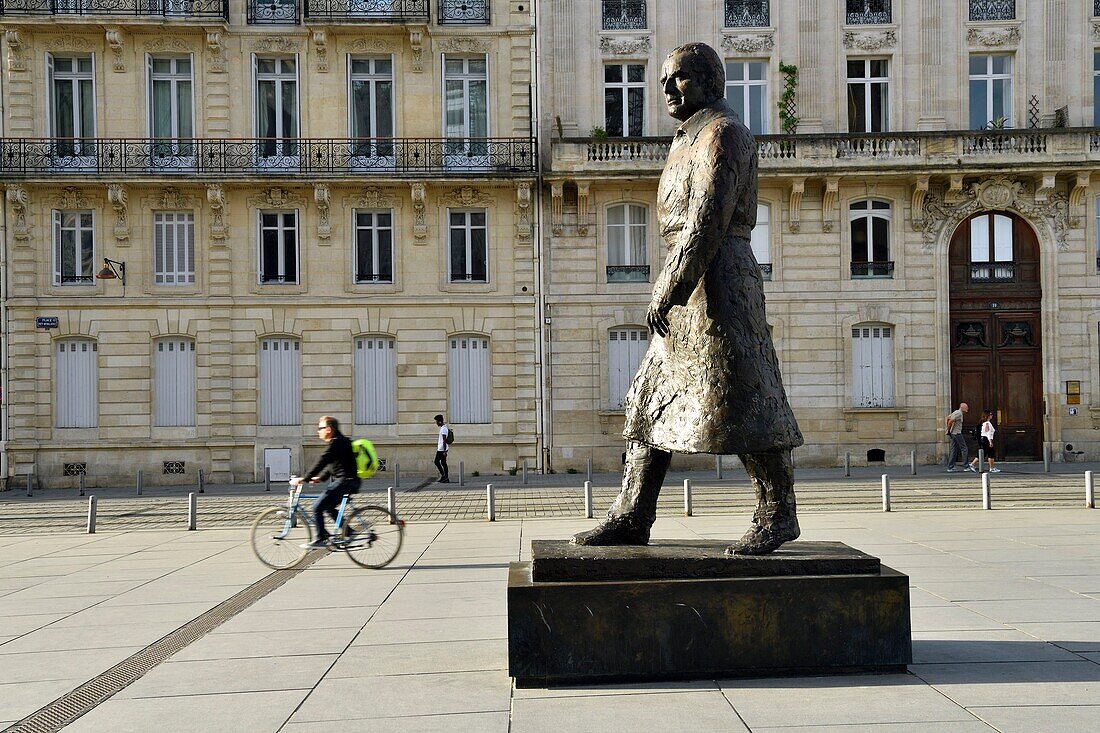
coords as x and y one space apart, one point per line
990 91
375 381
747 93
761 240
280 390
469 379
627 243
174 383
73 247
868 95
171 116
72 105
174 247
371 107
466 110
625 350
872 366
992 249
373 246
469 255
77 383
277 108
278 246
624 99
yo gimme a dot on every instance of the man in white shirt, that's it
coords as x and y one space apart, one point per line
441 448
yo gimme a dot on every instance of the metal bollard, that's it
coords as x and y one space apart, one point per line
525 471
981 460
82 484
1046 458
986 500
91 514
912 463
847 464
396 475
202 482
1090 501
140 476
885 492
687 497
391 501
718 466
490 503
267 478
461 473
30 484
589 469
192 512
587 499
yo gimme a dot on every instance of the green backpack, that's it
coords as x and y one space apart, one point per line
366 459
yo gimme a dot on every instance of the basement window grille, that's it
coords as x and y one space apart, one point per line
76 469
173 467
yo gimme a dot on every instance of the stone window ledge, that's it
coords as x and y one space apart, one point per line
852 414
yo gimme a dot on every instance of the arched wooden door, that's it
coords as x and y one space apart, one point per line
996 339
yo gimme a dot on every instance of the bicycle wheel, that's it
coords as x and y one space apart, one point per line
372 536
275 542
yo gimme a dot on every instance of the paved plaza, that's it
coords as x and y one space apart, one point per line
1006 622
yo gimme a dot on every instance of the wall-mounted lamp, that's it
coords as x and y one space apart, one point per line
112 270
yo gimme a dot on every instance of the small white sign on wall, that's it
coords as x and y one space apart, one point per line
278 460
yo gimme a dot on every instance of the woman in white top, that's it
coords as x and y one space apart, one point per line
987 442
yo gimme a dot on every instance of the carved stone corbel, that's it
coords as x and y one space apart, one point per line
420 222
1044 186
215 196
1077 199
321 197
17 59
828 202
416 42
955 192
116 195
916 203
557 199
320 44
19 200
582 209
115 41
798 187
523 212
216 44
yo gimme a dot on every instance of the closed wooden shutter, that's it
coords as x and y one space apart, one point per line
872 366
469 379
375 381
77 384
280 382
626 348
174 383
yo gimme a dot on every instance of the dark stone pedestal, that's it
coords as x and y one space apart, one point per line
684 610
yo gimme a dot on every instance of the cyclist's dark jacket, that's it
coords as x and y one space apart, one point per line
338 461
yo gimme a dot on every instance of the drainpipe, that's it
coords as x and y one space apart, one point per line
543 403
5 279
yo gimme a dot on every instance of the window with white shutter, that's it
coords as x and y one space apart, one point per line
375 381
468 380
77 383
872 366
761 240
625 350
174 382
280 382
174 247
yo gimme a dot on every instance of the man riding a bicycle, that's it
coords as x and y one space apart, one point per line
337 463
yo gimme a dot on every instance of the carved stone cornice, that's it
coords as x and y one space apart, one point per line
116 42
321 198
17 51
420 221
557 200
372 197
916 202
870 40
117 197
172 198
19 200
464 44
215 196
755 43
276 198
416 43
466 196
169 43
370 44
829 201
1096 31
72 197
277 44
216 43
69 42
583 189
1044 186
523 212
798 188
625 45
320 45
993 37
1077 198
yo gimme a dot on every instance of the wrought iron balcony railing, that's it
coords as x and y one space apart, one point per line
167 9
268 157
365 11
1095 8
992 9
463 12
75 279
628 273
264 12
748 13
883 269
867 12
992 272
624 15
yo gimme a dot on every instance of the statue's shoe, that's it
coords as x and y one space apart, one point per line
764 540
613 532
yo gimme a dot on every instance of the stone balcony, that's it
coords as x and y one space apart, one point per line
922 153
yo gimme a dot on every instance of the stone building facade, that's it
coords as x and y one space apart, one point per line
928 222
309 208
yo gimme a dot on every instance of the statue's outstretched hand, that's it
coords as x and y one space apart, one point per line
657 318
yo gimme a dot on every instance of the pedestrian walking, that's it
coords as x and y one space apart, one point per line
443 444
987 442
954 429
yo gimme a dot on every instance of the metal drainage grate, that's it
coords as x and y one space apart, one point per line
72 705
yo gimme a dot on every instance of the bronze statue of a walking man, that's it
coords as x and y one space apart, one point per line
710 382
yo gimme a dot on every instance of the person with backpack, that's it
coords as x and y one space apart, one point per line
338 462
446 437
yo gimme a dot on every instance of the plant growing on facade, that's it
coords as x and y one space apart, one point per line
788 106
599 133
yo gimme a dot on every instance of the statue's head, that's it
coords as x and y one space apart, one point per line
692 77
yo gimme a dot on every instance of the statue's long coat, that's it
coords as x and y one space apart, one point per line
713 385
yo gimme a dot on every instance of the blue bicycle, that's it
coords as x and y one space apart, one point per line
370 535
